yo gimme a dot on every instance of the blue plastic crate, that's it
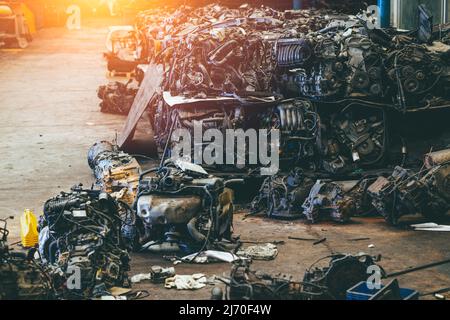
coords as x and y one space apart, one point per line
361 292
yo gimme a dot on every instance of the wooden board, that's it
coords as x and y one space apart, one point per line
149 87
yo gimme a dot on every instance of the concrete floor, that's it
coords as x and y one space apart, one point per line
49 117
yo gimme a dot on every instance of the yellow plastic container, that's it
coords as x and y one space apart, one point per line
28 229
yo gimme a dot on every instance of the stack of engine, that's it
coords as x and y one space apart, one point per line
231 53
213 50
342 93
356 62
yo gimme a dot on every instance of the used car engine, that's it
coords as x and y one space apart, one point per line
80 242
182 208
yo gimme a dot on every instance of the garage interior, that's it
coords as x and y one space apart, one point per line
50 119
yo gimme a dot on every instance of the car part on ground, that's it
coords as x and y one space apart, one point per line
326 200
81 245
319 283
157 274
21 277
246 284
122 44
116 172
343 272
282 196
183 209
410 192
117 97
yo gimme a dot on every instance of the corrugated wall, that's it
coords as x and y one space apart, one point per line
408 16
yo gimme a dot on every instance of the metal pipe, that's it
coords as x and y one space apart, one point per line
425 266
444 11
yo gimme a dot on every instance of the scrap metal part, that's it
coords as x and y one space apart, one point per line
282 196
182 208
20 276
327 200
410 192
121 44
436 158
80 233
296 121
319 283
116 172
117 97
342 273
246 284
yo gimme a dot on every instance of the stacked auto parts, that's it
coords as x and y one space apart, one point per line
419 77
330 83
356 136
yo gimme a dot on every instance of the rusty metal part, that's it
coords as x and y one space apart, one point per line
438 157
116 97
409 192
116 172
326 200
80 231
20 276
281 196
319 283
181 208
